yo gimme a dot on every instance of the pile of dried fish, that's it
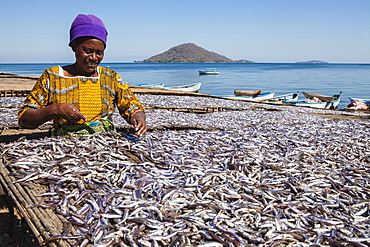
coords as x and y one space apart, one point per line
262 179
8 111
10 105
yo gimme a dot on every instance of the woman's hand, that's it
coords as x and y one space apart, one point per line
138 120
33 118
69 112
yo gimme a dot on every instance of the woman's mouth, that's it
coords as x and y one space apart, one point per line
91 65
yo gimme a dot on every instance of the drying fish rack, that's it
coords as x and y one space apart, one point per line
14 93
211 109
44 223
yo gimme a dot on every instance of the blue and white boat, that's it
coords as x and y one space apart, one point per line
366 101
161 85
194 87
285 97
259 97
317 102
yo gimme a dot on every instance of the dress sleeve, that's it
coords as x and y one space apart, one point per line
127 101
38 97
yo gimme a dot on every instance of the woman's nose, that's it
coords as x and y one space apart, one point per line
94 56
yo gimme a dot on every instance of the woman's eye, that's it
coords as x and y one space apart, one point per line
99 53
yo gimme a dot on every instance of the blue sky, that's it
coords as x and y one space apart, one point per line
336 31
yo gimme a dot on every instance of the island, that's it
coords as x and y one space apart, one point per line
190 53
312 61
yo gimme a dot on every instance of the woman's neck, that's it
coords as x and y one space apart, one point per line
72 70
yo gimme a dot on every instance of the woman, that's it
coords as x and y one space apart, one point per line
80 98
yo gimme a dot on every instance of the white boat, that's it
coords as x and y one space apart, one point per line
285 97
310 102
209 71
366 101
186 88
260 97
161 85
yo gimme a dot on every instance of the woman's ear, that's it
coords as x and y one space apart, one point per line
73 45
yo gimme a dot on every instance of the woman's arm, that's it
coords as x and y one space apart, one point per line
33 118
130 108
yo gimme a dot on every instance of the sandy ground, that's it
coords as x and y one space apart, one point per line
16 82
21 84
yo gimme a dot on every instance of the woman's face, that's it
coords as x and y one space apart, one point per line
88 55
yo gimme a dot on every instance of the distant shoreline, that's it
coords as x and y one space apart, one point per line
102 64
313 62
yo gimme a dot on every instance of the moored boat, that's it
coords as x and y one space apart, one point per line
161 85
285 97
247 92
209 71
194 87
316 102
186 88
358 103
260 97
366 101
321 97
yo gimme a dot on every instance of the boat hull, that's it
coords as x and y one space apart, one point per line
186 88
208 73
260 97
332 103
366 101
322 105
247 93
151 85
285 97
323 98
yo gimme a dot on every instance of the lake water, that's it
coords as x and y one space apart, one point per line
282 78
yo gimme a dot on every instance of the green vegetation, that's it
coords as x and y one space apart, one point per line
190 53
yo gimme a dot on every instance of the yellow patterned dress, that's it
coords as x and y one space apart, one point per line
95 97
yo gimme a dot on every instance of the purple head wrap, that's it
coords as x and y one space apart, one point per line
88 25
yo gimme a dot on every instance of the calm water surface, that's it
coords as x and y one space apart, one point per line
282 78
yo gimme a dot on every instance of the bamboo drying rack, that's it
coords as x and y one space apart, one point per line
44 223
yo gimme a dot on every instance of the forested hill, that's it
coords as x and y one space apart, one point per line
189 53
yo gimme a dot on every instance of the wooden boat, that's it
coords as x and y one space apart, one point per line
323 98
285 97
260 97
186 88
246 92
209 71
315 102
366 101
